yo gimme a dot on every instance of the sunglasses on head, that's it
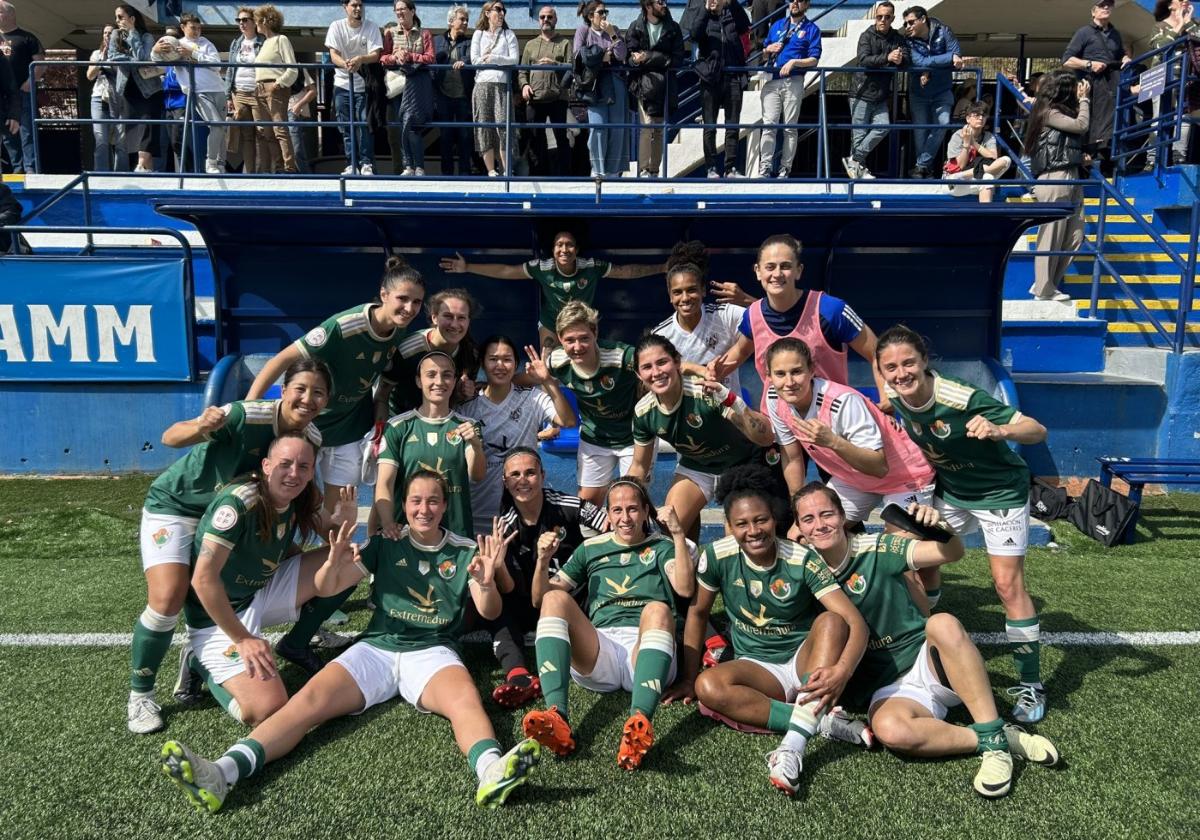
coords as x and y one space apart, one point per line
499 9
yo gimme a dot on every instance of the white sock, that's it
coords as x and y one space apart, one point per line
803 725
229 769
485 761
141 695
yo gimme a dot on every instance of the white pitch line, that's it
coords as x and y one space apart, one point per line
1171 638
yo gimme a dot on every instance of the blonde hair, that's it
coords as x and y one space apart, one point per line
576 312
269 17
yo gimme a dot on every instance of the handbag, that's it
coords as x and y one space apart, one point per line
1102 514
1047 501
395 82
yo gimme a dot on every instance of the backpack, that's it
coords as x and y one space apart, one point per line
1102 514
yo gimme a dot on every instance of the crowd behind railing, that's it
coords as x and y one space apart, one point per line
170 103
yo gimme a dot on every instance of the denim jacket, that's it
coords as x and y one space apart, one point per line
234 49
139 50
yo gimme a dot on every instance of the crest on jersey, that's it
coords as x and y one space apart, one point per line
376 356
160 537
423 567
781 588
453 437
280 530
694 420
586 387
646 555
625 558
940 429
447 568
431 438
917 428
607 382
771 456
582 282
514 415
857 583
756 588
711 342
316 337
224 518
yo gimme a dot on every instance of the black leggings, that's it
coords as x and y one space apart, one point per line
139 107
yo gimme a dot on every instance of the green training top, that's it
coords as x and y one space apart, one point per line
606 398
232 521
188 485
355 355
972 474
873 578
420 591
412 443
622 579
697 427
770 610
558 288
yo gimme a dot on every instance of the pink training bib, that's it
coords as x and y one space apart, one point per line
907 467
827 363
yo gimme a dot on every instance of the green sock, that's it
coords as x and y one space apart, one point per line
219 692
650 671
780 716
553 650
312 615
1024 636
991 736
249 757
482 753
152 634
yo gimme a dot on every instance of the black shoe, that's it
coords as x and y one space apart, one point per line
189 685
304 658
920 173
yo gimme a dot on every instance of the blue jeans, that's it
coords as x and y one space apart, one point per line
105 136
935 109
20 145
297 131
363 139
456 142
864 140
606 146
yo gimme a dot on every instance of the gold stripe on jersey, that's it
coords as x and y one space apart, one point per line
693 387
725 547
416 343
951 394
246 493
213 538
260 412
354 323
558 357
459 542
875 542
401 418
613 357
645 405
793 553
864 542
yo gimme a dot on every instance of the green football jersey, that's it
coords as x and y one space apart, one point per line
420 591
972 474
696 427
621 579
355 355
770 610
232 521
873 578
605 398
406 393
557 288
188 485
412 443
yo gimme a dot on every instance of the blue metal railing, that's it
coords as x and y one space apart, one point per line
1159 133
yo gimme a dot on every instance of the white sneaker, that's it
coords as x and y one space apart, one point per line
419 172
865 173
785 767
214 169
349 170
144 716
199 778
850 166
367 169
492 173
407 172
140 168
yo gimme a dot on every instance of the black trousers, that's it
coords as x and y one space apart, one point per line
532 141
727 95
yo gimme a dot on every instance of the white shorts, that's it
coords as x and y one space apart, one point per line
275 603
783 672
382 674
340 466
614 662
707 482
166 538
921 685
1005 532
858 504
595 464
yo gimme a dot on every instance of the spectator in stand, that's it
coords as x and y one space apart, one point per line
170 135
140 87
273 87
21 48
300 117
600 52
934 52
544 98
763 14
879 47
971 156
1097 53
655 44
353 41
1175 19
793 44
105 136
717 34
209 99
492 43
245 141
1054 141
408 49
452 90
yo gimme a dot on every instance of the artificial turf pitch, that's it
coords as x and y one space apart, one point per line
1122 716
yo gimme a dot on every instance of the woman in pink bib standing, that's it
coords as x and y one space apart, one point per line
869 458
823 322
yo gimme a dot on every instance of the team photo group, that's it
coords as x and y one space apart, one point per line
822 629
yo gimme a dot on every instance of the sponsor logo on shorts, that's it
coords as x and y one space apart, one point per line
857 583
160 537
316 337
694 420
1010 541
231 653
447 568
940 429
224 518
781 588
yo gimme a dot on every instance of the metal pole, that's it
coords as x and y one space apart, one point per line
1099 244
189 106
352 133
508 159
33 117
87 214
822 133
1187 286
